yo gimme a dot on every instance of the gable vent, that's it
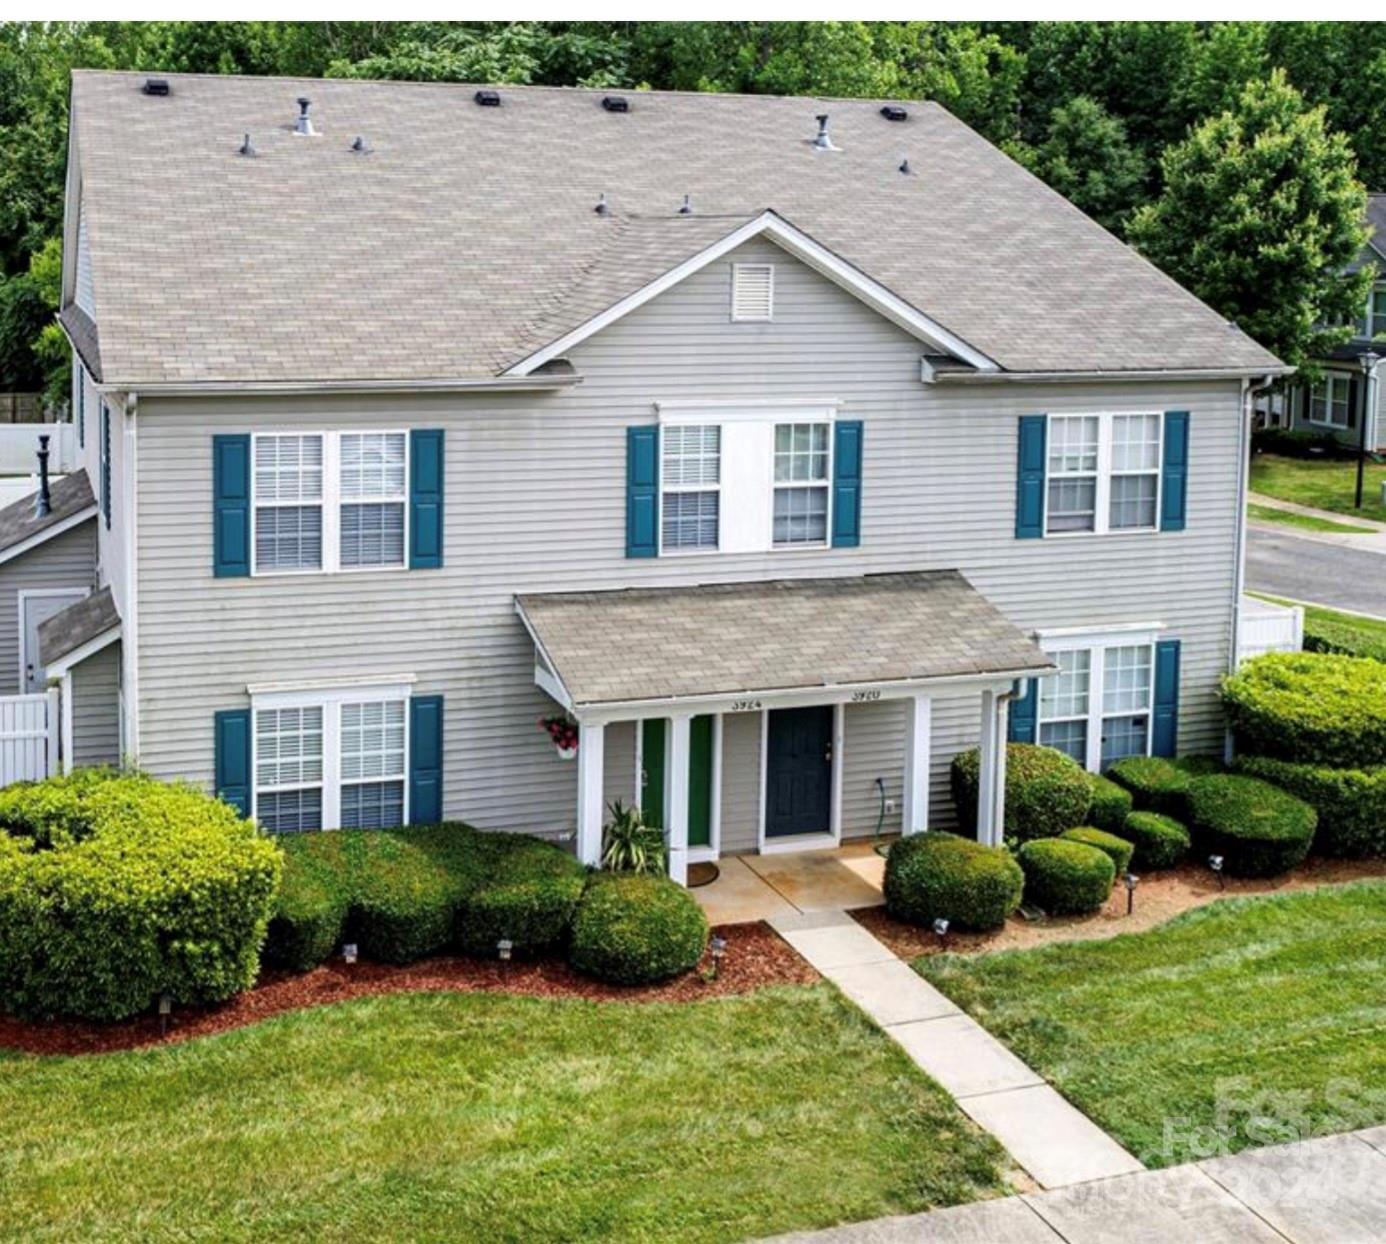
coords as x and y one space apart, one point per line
753 291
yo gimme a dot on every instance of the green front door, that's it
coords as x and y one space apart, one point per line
652 736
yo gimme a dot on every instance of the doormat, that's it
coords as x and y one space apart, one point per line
704 873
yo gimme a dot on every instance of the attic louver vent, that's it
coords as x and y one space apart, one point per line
615 103
488 99
753 291
893 112
156 86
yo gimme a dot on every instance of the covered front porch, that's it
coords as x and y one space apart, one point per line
776 716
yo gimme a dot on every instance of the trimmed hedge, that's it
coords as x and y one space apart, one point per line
1118 849
1159 841
1309 708
1046 791
928 876
116 889
530 891
1342 638
1258 829
1066 878
1350 803
636 929
1111 804
1156 785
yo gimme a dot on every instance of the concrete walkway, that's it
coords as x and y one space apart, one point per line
1054 1142
1372 538
1326 1191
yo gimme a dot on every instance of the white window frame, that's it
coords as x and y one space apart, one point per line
736 315
1102 516
330 699
666 489
1329 381
332 501
1096 644
827 484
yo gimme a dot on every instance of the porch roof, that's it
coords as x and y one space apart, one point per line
728 639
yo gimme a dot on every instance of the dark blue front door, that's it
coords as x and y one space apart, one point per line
799 771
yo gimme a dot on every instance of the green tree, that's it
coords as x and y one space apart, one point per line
1088 159
1260 215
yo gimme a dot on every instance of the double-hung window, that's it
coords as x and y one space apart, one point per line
1103 473
1097 708
330 501
334 759
1328 401
691 486
1373 323
801 483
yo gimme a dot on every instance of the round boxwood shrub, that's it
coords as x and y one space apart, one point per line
529 893
1111 804
1066 878
1159 841
1258 829
636 929
116 889
1310 708
928 876
1046 791
1156 785
1351 803
1119 849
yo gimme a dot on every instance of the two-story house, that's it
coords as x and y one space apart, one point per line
788 446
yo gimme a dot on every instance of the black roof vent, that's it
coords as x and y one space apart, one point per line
488 99
360 146
615 103
246 148
893 112
156 86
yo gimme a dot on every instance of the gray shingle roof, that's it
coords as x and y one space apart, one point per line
82 332
734 638
467 236
67 496
70 628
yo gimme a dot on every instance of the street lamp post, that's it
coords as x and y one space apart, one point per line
1368 362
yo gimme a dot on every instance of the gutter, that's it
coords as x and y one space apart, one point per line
218 388
1067 377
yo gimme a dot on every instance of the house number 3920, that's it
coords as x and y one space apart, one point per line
859 696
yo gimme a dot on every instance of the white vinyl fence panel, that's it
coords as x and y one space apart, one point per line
1267 627
28 736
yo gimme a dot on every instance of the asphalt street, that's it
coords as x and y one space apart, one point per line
1312 570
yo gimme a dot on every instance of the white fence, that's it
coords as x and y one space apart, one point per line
28 736
19 444
1268 627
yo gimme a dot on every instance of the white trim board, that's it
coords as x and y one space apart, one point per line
57 529
796 243
70 660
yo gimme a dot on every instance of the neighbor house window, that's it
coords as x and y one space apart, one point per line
1097 707
801 483
692 473
1373 323
1104 472
1328 401
330 501
331 760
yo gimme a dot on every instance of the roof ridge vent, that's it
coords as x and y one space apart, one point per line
155 86
487 99
303 126
822 141
615 103
893 112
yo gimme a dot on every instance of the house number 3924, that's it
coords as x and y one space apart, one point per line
745 706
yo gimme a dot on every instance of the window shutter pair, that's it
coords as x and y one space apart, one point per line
231 517
1033 461
642 487
235 767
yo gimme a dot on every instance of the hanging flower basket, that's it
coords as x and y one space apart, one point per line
564 733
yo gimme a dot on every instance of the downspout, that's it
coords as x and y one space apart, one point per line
130 636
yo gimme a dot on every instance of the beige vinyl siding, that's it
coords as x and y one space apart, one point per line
535 488
741 747
618 779
96 709
65 561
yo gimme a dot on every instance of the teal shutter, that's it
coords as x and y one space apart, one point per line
230 506
1029 495
81 407
1024 715
106 464
642 491
1355 388
1165 731
425 759
847 484
1174 476
233 748
425 499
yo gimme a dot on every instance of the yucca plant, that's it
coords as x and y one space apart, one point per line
629 845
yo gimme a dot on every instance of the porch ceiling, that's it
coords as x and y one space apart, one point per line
658 644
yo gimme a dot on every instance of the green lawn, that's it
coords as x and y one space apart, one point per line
455 1117
1277 1003
1326 484
1307 522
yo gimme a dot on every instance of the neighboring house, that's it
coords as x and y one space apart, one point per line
778 456
1338 403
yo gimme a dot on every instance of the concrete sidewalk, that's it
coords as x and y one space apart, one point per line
1372 540
1057 1144
1326 1191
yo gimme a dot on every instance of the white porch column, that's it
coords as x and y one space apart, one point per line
987 827
676 805
914 810
591 760
998 815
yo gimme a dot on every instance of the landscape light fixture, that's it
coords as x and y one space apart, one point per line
349 953
1368 363
504 949
1130 880
1215 863
718 946
940 927
165 1010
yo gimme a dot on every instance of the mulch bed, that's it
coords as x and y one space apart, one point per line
756 958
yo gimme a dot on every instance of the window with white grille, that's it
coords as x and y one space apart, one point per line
753 291
692 475
288 502
1097 707
373 495
289 768
372 770
801 483
1103 472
